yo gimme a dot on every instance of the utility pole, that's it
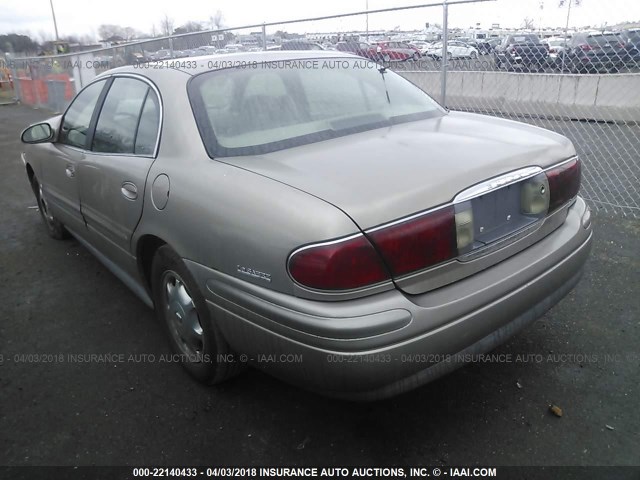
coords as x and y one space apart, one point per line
55 25
566 30
445 51
367 8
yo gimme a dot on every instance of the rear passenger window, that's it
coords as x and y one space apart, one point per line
118 120
147 133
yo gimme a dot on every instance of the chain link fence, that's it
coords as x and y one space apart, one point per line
581 82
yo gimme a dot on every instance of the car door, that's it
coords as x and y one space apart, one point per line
113 174
59 175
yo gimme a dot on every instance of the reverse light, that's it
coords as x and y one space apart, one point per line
464 229
534 195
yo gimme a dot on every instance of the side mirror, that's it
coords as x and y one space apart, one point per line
38 133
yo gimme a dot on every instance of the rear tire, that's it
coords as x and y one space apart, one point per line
193 333
55 228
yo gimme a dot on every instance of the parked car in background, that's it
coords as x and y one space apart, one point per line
356 48
631 38
521 51
482 46
391 51
300 45
594 52
555 45
164 54
420 45
455 49
268 212
494 42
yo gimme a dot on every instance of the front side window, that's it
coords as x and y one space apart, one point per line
119 117
277 105
75 125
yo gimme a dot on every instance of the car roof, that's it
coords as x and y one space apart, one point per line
200 64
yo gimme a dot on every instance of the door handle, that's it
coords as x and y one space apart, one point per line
70 171
129 191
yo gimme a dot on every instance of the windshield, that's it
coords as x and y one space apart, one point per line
266 107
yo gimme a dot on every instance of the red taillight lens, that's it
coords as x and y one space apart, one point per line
564 183
417 243
586 47
343 265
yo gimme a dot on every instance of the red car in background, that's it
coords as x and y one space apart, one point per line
392 51
387 51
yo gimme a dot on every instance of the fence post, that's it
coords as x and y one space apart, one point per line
444 58
171 46
264 37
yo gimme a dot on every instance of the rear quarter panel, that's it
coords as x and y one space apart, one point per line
223 216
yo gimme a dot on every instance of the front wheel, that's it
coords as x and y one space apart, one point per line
193 333
55 228
473 56
416 57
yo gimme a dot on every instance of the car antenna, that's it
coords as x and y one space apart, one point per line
382 71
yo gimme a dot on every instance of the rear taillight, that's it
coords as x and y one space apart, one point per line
586 47
340 265
564 183
417 243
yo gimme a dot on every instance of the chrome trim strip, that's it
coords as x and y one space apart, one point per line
497 183
323 244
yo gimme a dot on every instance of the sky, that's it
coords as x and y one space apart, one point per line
83 17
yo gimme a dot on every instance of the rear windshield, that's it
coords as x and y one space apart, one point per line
524 39
262 108
602 40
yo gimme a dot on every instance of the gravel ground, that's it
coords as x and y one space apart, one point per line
583 356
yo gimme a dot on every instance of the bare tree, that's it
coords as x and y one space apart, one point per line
108 31
528 23
166 25
129 33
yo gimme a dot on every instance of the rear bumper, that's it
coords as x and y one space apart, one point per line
388 343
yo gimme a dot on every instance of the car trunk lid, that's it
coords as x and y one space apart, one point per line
384 175
388 173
